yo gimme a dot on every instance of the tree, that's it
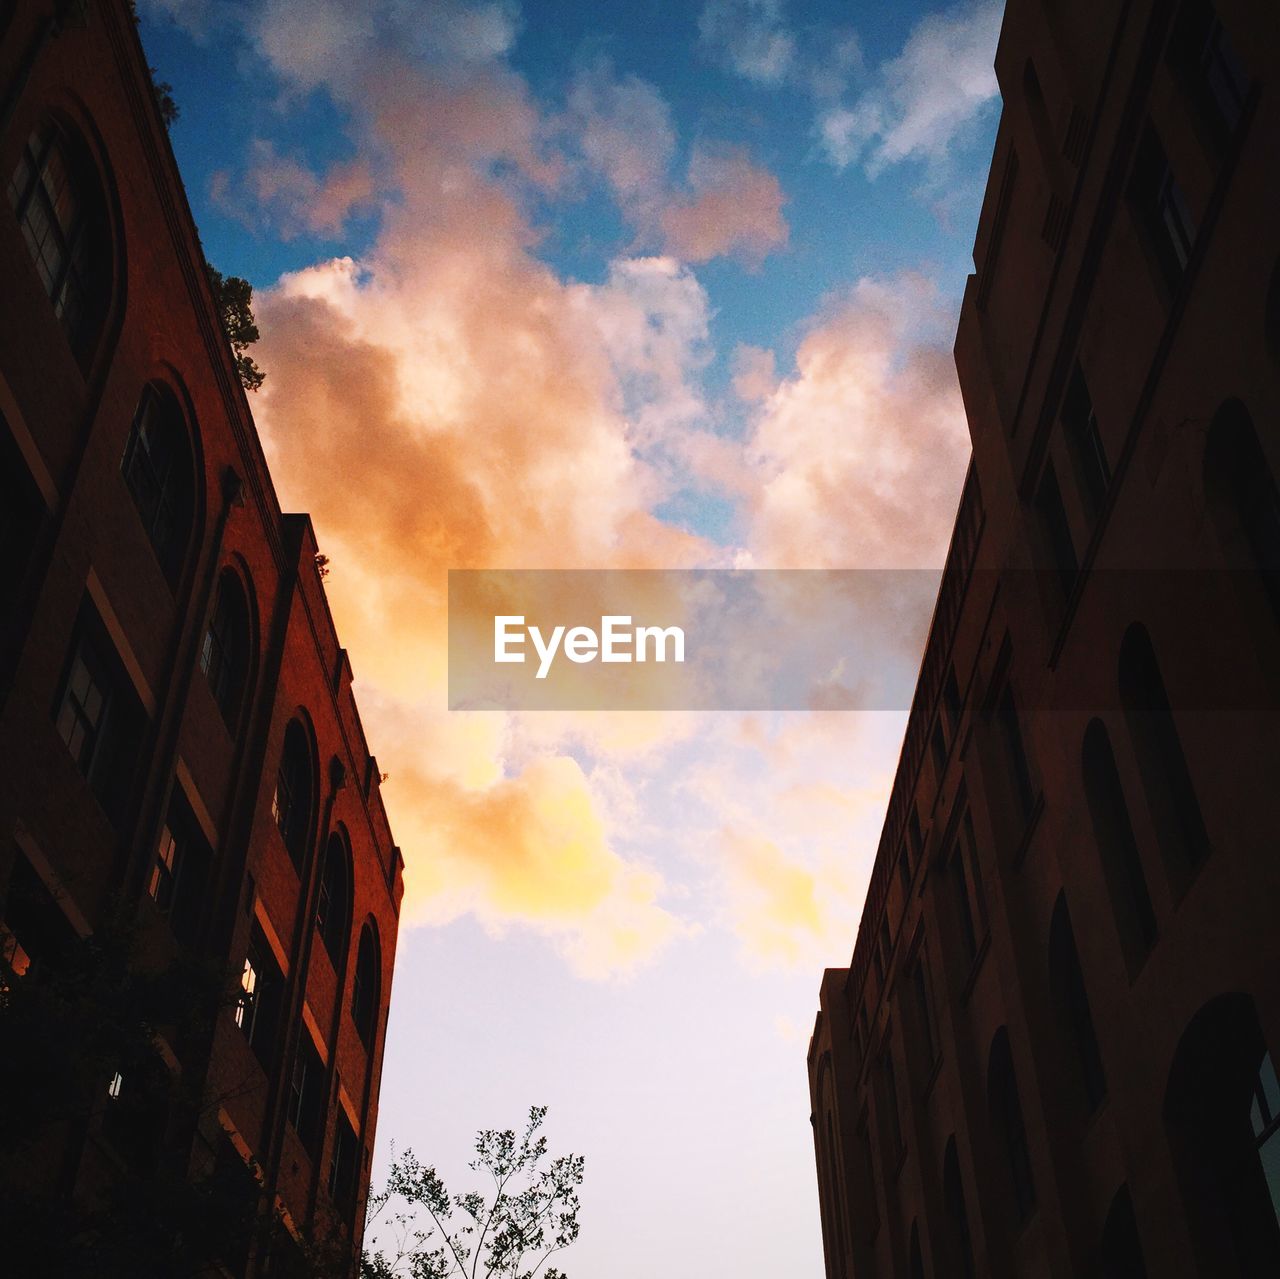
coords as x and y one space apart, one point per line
169 109
527 1214
234 298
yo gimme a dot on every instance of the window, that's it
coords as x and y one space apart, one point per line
1006 1118
1113 831
163 885
951 702
958 1237
291 803
333 906
938 749
262 989
364 992
1084 442
926 1023
98 716
58 203
915 1264
22 515
15 962
137 1108
307 1095
892 1111
1071 1000
224 655
34 932
1121 1252
158 471
180 869
1241 491
1264 1118
1055 533
1015 757
1221 1110
343 1167
966 881
1209 68
82 715
1166 779
1162 208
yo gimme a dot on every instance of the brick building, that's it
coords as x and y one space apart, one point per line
179 745
1053 1052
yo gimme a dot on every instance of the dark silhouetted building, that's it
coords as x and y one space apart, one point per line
181 757
1054 1050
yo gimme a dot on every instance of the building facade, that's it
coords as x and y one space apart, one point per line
182 759
1053 1052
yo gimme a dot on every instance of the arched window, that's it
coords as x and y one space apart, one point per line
1241 491
158 469
333 906
1165 776
1120 1254
915 1264
291 804
958 1237
1222 1109
1010 1128
364 992
1071 1001
1121 862
59 204
224 656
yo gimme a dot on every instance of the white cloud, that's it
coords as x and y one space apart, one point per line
925 99
858 456
728 206
751 37
623 126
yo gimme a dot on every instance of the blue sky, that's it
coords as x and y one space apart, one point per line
610 285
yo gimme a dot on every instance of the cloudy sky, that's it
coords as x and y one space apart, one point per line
604 285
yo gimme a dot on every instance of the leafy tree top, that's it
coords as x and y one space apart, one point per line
234 297
527 1212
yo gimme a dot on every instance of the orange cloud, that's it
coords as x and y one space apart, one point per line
735 208
448 401
534 848
282 193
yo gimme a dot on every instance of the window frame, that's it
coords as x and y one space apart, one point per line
78 285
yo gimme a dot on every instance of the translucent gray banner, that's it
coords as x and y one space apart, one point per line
730 640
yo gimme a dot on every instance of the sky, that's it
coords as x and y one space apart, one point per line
607 285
